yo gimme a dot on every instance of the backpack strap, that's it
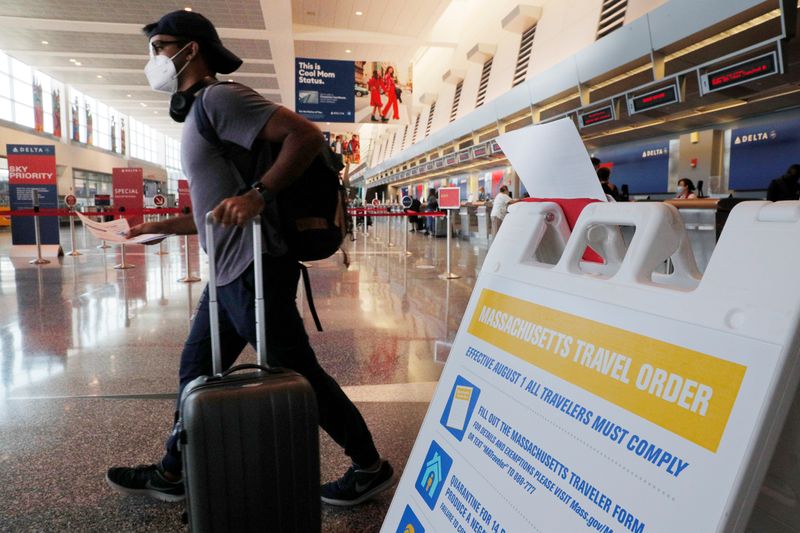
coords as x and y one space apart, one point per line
309 295
207 131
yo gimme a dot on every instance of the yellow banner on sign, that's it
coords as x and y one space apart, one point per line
684 391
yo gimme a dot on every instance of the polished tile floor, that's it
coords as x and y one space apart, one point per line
89 357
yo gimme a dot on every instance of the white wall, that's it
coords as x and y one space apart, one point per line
637 8
565 28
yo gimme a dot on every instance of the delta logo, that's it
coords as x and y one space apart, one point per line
756 137
655 152
15 149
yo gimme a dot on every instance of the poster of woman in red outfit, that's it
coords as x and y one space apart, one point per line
390 89
380 88
375 85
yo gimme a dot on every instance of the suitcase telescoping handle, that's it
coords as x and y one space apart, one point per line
213 306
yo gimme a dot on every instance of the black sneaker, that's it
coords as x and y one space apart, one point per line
357 486
145 480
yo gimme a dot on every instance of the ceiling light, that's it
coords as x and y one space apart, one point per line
129 96
78 63
142 104
347 51
187 8
359 13
72 60
45 42
155 112
230 80
99 77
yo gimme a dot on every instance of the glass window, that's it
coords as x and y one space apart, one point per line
21 71
5 85
6 109
23 115
4 198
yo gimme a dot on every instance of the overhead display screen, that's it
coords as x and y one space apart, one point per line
651 100
744 72
597 116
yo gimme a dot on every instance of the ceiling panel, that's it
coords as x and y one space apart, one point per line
26 39
224 13
358 52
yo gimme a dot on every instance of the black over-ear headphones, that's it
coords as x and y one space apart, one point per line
181 101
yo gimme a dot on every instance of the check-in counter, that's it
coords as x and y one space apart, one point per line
484 225
463 222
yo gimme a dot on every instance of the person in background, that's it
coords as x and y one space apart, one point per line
417 223
685 190
432 205
500 209
375 85
481 194
604 175
787 187
596 163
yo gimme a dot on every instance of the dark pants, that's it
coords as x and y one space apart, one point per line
287 346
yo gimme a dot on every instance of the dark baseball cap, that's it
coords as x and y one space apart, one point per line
195 26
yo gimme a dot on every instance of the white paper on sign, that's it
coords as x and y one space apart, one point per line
116 231
552 161
459 408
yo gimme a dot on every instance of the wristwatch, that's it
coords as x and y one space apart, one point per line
262 190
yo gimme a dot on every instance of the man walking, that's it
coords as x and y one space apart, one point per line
186 54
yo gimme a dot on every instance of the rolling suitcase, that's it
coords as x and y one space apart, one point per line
250 441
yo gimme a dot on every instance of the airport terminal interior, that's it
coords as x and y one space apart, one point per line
659 126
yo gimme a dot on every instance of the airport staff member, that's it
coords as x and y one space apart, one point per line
186 53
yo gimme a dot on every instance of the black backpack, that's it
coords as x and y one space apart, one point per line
312 211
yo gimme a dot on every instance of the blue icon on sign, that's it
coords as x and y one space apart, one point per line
433 474
410 523
459 408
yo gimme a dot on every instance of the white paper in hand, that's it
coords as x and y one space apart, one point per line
552 161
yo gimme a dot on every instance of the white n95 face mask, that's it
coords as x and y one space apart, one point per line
161 73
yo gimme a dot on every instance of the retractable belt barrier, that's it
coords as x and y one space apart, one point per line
620 395
386 213
61 212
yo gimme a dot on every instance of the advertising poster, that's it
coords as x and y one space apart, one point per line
382 92
352 91
347 145
32 168
325 90
128 192
759 154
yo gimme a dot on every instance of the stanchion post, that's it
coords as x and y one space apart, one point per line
449 274
405 238
72 252
188 278
39 260
123 265
161 244
390 221
103 244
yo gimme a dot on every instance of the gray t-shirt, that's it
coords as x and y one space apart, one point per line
238 114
